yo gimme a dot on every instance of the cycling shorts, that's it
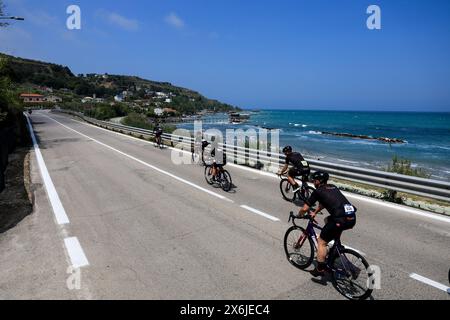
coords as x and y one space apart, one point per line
298 172
334 227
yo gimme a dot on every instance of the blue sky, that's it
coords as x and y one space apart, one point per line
299 54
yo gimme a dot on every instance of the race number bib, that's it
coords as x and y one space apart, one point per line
349 209
305 163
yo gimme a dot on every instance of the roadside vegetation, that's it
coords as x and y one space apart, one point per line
141 121
403 166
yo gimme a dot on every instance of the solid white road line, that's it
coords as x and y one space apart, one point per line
58 209
429 282
265 215
145 163
76 253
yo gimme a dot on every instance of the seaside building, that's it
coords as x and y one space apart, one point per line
35 98
32 98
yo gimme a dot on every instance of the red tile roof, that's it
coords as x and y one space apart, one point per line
31 95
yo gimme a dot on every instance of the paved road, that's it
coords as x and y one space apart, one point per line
150 229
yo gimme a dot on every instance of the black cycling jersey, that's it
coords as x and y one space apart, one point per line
333 200
158 131
297 160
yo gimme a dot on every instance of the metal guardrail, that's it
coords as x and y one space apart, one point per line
392 181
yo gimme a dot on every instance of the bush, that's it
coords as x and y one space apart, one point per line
137 120
391 196
403 166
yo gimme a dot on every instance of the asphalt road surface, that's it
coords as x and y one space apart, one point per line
137 226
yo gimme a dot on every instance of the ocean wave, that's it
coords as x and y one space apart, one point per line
298 124
314 132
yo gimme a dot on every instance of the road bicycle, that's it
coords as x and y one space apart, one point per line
350 272
223 177
287 189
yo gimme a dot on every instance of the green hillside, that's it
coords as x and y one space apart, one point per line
34 74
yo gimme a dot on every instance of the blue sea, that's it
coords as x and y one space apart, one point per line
427 136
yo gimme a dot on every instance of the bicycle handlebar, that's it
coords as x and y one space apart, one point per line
306 216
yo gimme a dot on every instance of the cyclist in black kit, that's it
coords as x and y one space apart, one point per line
219 158
342 215
300 167
158 131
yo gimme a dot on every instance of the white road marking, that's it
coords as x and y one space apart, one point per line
145 163
58 209
265 215
76 253
429 282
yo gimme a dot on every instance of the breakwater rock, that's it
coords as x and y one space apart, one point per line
365 137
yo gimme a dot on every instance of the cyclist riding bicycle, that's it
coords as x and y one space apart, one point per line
342 215
158 131
300 167
218 156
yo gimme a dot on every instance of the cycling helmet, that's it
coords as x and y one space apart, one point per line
322 176
287 149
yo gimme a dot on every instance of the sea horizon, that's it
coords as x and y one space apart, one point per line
346 110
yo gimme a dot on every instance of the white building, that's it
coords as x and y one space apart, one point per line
158 111
168 100
53 99
162 95
118 98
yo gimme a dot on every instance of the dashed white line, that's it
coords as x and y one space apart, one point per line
429 282
76 253
145 163
265 215
58 209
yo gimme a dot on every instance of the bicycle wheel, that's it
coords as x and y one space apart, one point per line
298 247
287 190
306 192
351 275
226 181
208 175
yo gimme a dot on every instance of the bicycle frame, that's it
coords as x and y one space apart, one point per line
336 248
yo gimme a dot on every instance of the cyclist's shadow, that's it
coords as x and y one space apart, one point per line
327 279
232 190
